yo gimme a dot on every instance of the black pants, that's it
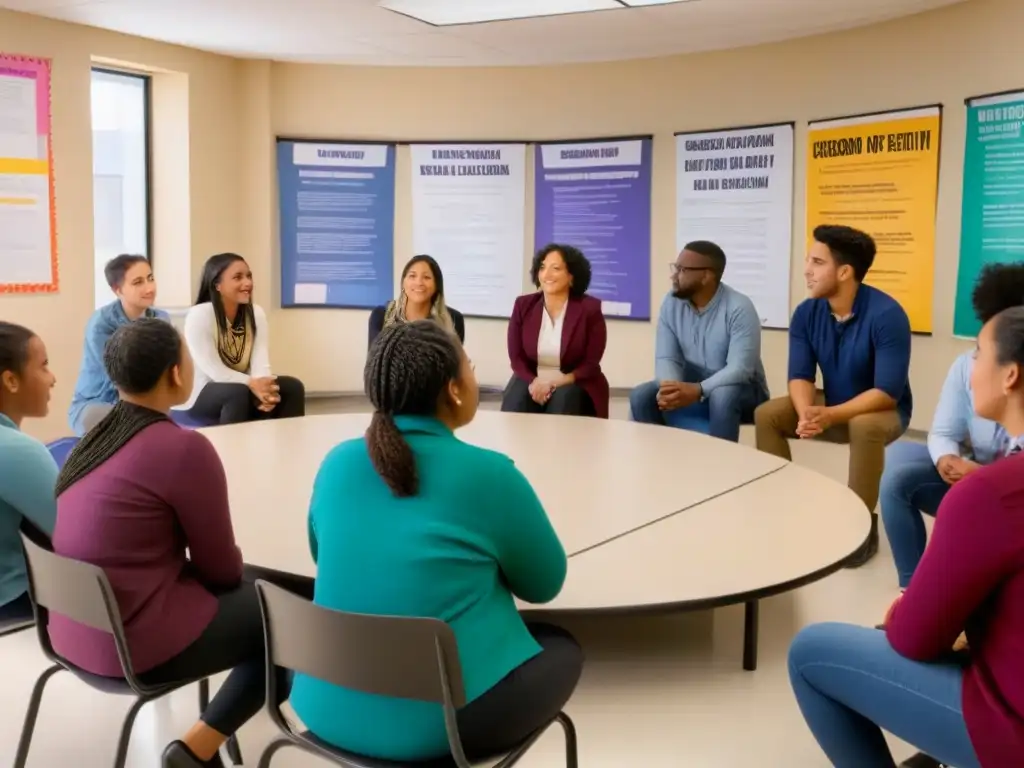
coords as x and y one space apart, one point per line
233 640
569 400
19 609
235 403
525 699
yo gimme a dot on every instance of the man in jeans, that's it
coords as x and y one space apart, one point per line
707 352
917 476
859 338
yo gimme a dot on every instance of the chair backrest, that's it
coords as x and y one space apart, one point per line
399 657
74 589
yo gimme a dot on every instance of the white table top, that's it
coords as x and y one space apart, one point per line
648 514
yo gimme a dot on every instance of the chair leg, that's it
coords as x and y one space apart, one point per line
571 758
271 750
30 716
204 695
235 751
126 733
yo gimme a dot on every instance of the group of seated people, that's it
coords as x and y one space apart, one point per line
394 531
227 336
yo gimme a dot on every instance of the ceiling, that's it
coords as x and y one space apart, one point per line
360 32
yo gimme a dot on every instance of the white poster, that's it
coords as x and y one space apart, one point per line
735 188
469 213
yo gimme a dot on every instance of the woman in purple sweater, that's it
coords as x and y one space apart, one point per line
966 710
134 495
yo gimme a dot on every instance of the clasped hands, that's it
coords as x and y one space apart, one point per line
266 391
814 421
955 468
541 390
673 395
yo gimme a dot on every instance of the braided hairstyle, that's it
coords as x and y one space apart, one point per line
137 357
407 371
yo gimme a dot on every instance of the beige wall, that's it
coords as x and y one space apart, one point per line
214 207
236 109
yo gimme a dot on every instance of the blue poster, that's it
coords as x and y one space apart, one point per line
596 196
337 208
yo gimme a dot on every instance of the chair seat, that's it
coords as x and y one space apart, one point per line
185 420
60 449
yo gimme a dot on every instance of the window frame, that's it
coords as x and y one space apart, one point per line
147 139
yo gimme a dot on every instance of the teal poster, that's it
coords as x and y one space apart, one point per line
992 228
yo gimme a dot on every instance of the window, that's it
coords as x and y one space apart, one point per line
120 169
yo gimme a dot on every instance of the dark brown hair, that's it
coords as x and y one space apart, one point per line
407 370
14 341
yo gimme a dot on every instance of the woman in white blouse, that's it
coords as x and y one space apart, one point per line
556 339
229 340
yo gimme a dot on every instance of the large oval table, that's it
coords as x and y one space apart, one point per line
653 519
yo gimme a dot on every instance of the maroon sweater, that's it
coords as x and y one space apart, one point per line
972 578
134 516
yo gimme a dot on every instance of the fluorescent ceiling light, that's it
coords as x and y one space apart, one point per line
442 13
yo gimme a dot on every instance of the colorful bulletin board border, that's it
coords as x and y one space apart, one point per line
39 70
992 221
879 172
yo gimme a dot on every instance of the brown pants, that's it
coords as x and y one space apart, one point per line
775 424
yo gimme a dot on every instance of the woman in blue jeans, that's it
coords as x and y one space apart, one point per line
917 476
967 710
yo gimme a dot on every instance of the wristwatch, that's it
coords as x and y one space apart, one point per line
703 397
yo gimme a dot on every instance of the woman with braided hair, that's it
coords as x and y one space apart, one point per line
411 521
134 495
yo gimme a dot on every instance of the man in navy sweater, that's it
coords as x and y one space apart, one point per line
859 338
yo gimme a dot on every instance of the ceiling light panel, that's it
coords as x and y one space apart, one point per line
443 13
646 3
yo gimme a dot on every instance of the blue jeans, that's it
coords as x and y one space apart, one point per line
723 411
850 684
910 485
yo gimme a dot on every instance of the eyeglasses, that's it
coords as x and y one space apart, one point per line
676 269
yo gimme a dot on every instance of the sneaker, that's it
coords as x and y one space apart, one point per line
178 755
921 760
870 548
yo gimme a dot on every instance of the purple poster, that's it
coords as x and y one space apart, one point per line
596 196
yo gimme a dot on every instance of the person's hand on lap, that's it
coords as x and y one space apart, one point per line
266 391
677 394
540 391
954 468
813 422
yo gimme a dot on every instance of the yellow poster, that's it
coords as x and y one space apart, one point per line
880 174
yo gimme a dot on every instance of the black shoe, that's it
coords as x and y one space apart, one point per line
178 755
921 760
869 550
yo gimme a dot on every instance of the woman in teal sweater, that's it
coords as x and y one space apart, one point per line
411 521
28 472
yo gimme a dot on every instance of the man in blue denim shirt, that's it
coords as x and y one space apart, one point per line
708 371
131 279
917 476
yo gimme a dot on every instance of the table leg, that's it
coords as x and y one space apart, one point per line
750 636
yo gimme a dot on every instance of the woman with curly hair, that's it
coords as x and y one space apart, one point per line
556 339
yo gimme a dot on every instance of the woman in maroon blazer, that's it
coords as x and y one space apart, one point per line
556 339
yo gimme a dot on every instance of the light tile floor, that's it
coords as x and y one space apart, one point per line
656 692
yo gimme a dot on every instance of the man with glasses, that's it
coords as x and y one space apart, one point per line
708 371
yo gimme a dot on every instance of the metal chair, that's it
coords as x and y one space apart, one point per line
361 653
82 593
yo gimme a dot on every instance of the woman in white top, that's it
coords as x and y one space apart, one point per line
229 340
556 339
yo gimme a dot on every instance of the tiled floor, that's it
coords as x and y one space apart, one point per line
656 692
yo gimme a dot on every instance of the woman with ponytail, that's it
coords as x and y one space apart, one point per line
411 521
147 501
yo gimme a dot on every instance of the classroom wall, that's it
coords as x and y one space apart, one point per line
235 108
943 56
213 200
